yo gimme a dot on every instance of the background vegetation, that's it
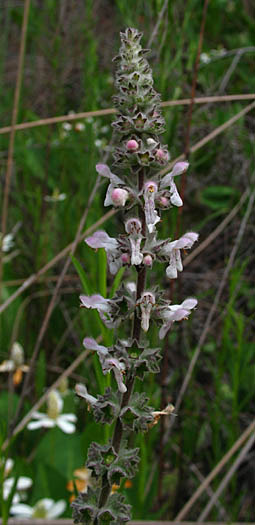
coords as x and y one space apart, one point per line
68 67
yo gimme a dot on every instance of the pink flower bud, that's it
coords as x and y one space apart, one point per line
132 145
164 201
161 154
119 197
147 260
125 258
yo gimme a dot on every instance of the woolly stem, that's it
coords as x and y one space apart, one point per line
118 431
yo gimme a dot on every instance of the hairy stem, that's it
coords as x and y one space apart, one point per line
118 431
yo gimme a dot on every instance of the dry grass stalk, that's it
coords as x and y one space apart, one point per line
33 278
240 458
212 312
111 111
185 510
13 127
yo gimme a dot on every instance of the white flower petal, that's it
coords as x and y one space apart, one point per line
8 466
57 509
65 426
69 417
118 376
43 423
7 366
81 391
47 503
189 303
20 510
38 415
24 483
91 344
175 197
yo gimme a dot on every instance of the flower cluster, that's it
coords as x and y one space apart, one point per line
136 186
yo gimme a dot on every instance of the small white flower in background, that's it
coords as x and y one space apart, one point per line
79 126
204 58
45 508
23 483
99 143
105 129
15 364
54 416
56 196
7 467
6 242
67 126
63 387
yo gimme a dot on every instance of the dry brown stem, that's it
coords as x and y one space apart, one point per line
13 128
211 312
111 111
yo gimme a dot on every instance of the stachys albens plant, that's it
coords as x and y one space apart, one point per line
136 187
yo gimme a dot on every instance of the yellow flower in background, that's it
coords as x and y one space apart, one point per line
15 364
81 482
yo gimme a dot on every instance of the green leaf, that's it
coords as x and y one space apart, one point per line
102 272
219 197
62 451
117 281
82 275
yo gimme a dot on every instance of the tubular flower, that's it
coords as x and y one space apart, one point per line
151 216
173 251
101 239
115 182
175 312
134 228
107 308
107 361
81 391
146 303
119 197
168 181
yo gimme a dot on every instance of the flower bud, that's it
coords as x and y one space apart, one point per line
151 142
147 260
54 404
119 197
164 201
125 258
161 154
132 145
17 354
79 126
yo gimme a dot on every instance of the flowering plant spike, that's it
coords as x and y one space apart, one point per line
136 187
